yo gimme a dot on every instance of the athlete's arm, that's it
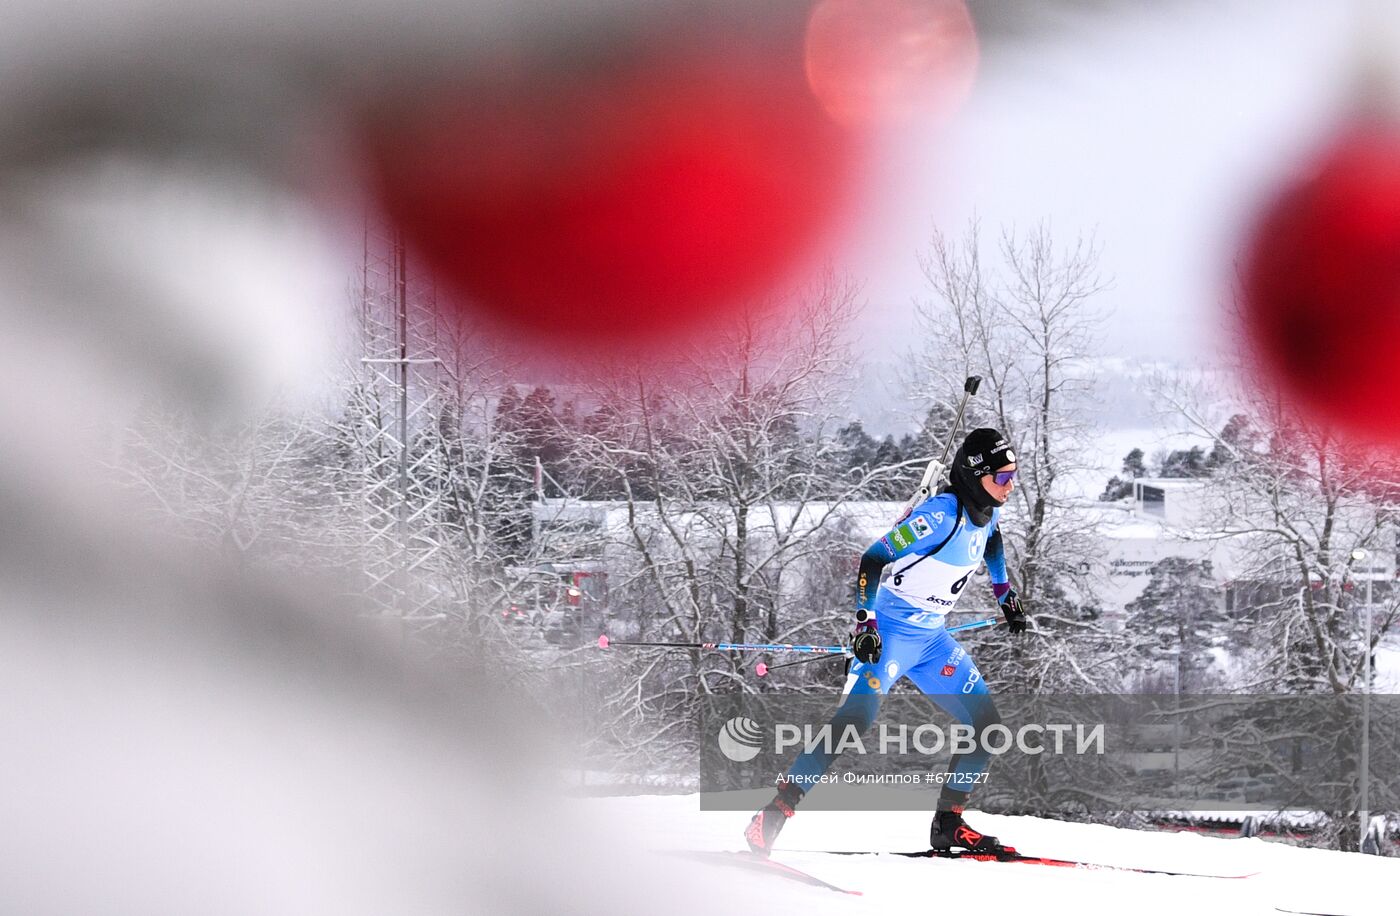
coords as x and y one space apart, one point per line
995 555
919 533
872 563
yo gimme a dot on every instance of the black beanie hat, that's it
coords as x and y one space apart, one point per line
982 452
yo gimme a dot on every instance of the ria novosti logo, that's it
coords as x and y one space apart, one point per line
740 739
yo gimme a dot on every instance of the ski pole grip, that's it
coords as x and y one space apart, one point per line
970 386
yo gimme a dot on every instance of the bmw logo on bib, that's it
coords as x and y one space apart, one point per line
976 544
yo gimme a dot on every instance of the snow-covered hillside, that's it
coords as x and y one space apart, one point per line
1282 878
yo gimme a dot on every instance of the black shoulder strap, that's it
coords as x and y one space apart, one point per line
957 523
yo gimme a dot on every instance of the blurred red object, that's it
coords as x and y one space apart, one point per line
1321 284
887 62
640 184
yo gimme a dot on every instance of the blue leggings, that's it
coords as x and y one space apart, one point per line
939 667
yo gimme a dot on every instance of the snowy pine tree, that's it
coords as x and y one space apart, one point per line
1177 621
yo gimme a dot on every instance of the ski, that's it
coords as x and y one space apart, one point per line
1012 856
748 860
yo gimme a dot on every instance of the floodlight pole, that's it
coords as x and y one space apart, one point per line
1366 723
1364 814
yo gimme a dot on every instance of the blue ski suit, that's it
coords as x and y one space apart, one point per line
931 555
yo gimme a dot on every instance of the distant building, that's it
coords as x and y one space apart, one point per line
1166 517
1152 524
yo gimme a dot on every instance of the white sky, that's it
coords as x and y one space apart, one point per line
1154 129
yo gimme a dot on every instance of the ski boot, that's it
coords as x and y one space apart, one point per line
768 822
949 830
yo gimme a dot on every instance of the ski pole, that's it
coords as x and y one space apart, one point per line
605 643
761 670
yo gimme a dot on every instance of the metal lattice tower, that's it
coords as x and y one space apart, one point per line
402 493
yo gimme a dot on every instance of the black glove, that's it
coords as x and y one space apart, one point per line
866 644
1015 614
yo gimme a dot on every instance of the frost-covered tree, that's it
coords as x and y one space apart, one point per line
1298 504
1183 462
1021 313
1295 502
1177 621
726 462
240 486
1134 467
736 469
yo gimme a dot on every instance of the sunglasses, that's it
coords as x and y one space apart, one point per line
1002 478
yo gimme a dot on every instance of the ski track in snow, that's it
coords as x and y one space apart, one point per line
1297 879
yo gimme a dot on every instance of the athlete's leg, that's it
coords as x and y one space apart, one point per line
951 679
866 685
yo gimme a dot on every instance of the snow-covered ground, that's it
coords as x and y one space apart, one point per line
1282 878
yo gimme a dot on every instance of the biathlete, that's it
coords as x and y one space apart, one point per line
899 632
